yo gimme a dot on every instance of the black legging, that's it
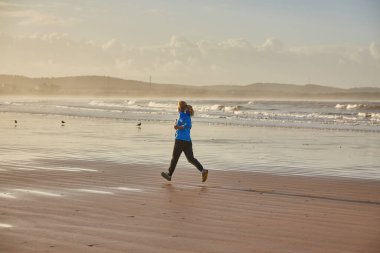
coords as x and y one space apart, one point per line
187 148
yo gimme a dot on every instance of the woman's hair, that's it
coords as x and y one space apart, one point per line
190 110
182 106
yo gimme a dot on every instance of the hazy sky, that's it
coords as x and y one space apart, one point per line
329 42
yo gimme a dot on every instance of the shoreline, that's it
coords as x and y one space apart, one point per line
258 124
282 151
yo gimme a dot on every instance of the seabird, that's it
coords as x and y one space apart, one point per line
15 121
63 122
139 124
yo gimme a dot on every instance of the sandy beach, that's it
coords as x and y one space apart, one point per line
110 207
113 114
94 185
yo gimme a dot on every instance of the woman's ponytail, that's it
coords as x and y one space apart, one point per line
190 110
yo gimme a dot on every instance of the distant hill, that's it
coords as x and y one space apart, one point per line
110 86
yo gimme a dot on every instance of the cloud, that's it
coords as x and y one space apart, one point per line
194 62
235 43
113 44
374 48
49 36
32 17
271 44
8 4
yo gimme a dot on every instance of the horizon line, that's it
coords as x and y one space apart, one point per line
182 84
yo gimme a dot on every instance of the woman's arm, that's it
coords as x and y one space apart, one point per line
184 120
177 122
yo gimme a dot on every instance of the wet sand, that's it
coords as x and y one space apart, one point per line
92 206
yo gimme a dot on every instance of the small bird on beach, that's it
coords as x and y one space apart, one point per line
63 123
139 124
15 121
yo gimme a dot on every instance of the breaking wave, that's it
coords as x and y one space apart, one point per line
321 115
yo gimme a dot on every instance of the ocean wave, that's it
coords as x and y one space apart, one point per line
79 109
220 108
239 113
101 103
216 107
15 103
364 115
350 106
233 108
5 103
229 112
375 117
314 117
358 106
159 105
372 107
354 107
203 115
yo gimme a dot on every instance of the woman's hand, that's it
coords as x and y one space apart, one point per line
176 127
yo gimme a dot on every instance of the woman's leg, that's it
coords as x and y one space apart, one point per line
188 150
178 148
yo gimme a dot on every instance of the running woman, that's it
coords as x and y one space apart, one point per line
183 142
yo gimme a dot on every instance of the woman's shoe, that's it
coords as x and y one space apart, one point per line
166 176
204 175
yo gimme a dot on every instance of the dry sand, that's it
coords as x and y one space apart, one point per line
111 207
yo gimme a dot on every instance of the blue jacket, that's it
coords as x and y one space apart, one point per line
184 119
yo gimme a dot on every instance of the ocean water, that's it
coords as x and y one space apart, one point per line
309 138
360 116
